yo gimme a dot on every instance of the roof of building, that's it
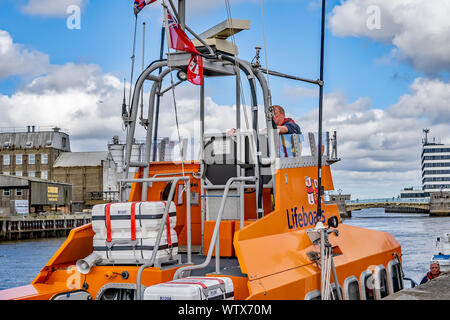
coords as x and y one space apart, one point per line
34 140
81 159
8 181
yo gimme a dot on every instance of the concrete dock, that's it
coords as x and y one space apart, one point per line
42 226
436 289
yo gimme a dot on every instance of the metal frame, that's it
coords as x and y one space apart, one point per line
214 239
175 181
215 64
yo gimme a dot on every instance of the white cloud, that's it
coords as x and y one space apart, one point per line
419 29
50 8
380 149
15 59
80 98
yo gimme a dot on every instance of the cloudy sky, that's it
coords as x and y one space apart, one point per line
386 76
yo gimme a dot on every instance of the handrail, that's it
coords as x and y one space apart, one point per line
180 271
163 224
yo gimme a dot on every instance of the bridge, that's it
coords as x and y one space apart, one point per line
418 205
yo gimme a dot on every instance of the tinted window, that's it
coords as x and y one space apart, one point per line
397 283
382 283
353 291
369 287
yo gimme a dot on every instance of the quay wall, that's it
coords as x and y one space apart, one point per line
436 289
36 227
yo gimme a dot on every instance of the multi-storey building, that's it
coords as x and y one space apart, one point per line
435 166
30 152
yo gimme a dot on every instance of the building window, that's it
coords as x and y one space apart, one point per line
6 160
32 174
18 173
44 158
6 173
18 159
19 192
31 159
44 174
6 192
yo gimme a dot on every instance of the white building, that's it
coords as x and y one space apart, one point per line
435 166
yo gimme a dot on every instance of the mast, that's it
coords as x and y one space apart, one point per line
321 85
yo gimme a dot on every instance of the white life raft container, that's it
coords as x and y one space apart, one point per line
192 288
147 217
126 233
126 251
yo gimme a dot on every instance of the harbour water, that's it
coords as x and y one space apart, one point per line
21 261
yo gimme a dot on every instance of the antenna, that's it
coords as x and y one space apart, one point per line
124 104
321 84
426 131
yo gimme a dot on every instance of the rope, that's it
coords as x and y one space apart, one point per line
326 289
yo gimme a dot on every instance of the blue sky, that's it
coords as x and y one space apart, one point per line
382 86
292 33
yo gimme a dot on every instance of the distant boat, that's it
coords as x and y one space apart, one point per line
442 252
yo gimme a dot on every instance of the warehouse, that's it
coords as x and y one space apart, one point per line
93 177
26 195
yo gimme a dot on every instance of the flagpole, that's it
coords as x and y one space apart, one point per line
321 85
143 66
175 12
155 137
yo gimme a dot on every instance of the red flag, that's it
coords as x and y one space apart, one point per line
195 70
178 38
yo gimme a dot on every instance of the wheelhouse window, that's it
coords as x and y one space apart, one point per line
351 289
334 294
313 295
395 277
381 283
367 285
287 145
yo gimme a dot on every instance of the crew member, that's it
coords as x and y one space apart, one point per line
285 125
434 272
